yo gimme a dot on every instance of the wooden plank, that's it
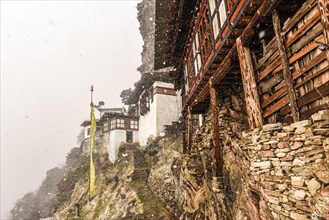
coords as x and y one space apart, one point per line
314 95
310 77
323 6
276 106
272 98
292 59
273 52
303 52
301 31
263 10
276 79
308 38
218 151
281 85
315 61
268 69
307 6
271 45
285 67
249 86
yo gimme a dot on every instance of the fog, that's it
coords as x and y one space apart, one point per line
51 52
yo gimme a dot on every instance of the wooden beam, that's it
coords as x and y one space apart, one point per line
324 10
189 130
307 6
315 61
249 86
317 93
300 32
265 86
278 94
218 151
263 10
276 106
285 66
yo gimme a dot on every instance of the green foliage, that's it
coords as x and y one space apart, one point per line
124 95
41 203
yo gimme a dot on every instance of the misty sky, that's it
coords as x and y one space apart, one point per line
51 52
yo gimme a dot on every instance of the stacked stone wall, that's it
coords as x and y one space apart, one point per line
290 166
273 172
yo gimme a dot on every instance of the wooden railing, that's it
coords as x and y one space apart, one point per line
212 26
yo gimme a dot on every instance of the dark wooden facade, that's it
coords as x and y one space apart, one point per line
284 73
277 50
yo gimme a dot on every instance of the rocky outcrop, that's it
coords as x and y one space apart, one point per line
121 190
273 172
146 18
277 171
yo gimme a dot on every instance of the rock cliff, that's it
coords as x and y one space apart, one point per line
273 172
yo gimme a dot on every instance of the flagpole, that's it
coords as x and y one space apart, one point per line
91 93
91 101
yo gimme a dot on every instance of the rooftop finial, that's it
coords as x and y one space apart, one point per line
91 93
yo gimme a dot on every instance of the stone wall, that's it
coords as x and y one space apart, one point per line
290 165
273 172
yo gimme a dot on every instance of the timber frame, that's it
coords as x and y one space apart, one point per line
277 50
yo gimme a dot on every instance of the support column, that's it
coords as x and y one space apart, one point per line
285 67
189 130
218 151
324 10
253 108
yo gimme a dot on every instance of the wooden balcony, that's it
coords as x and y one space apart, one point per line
216 26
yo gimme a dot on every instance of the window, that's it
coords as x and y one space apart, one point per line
217 10
196 53
144 103
222 13
113 123
186 79
134 124
120 123
129 136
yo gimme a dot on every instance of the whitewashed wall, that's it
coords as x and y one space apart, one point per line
86 135
168 110
147 124
116 137
163 111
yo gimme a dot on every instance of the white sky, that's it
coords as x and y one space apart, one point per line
51 52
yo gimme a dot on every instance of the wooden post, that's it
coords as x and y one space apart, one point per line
324 10
189 130
218 151
253 108
285 67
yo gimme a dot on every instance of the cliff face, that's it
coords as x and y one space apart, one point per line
273 172
146 18
121 190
